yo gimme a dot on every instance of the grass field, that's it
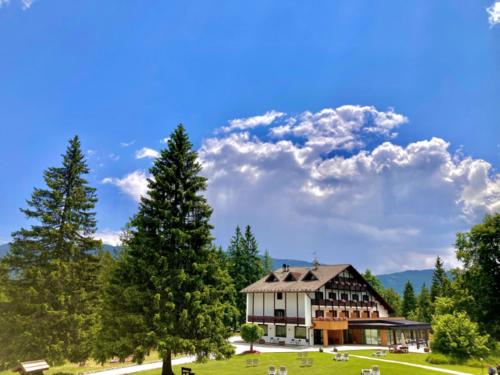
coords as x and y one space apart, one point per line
322 365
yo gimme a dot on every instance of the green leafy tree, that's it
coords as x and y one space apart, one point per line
251 333
51 292
170 290
457 336
393 299
267 263
409 300
440 283
245 265
479 251
373 281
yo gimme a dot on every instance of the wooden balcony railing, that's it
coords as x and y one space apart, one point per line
342 303
276 319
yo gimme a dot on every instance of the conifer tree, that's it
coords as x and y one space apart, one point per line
424 306
245 265
51 291
409 300
440 282
170 289
267 263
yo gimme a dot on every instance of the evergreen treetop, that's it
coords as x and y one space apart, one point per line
409 300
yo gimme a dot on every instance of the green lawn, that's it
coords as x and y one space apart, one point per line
323 364
74 368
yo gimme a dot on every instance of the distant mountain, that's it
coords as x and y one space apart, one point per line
395 280
398 280
3 249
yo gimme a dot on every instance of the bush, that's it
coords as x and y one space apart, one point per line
455 335
438 359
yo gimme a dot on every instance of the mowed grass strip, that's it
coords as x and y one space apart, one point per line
323 363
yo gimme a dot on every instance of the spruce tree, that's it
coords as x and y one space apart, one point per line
440 282
424 306
51 291
169 291
267 263
409 300
245 265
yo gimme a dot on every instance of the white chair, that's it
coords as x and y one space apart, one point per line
366 372
338 357
271 370
283 371
345 357
375 370
309 362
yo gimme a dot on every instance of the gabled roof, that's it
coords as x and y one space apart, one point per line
322 273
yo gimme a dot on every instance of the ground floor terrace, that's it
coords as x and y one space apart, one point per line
324 331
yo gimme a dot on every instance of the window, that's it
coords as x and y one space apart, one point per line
344 296
319 313
280 331
332 295
333 313
264 327
300 332
375 314
318 295
279 313
271 278
279 295
372 337
355 297
344 314
355 314
366 298
309 277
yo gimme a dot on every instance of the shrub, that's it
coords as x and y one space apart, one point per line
457 336
438 359
250 333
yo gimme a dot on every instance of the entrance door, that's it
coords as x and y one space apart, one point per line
318 337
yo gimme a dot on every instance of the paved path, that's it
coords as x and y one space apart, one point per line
412 364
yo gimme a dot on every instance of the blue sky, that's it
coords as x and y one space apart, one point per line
122 74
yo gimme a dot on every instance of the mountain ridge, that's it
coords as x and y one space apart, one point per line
394 280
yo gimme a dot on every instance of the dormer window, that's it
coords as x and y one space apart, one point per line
271 278
290 277
309 277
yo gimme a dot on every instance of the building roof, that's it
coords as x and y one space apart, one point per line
394 323
309 279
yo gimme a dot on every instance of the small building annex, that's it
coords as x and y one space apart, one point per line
326 305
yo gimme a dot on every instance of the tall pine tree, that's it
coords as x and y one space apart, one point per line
170 290
267 263
245 265
424 306
51 291
440 282
409 300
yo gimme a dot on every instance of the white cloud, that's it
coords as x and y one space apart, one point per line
134 184
127 144
109 237
4 2
494 13
252 122
146 152
388 207
25 4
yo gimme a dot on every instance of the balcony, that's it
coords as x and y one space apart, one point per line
276 319
330 323
342 303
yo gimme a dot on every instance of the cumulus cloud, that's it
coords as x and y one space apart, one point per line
109 237
494 13
388 206
251 122
134 184
146 152
25 4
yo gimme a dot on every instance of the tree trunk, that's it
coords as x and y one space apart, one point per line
251 346
167 364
